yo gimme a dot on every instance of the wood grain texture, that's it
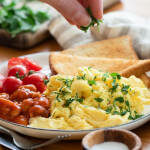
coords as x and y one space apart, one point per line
140 7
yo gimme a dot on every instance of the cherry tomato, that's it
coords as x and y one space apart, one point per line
36 79
17 71
14 61
2 78
42 101
30 65
38 110
9 108
21 119
27 104
11 84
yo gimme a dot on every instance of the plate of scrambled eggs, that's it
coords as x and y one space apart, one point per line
90 100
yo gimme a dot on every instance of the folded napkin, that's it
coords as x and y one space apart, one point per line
115 24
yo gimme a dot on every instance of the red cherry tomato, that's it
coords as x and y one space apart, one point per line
11 84
14 61
18 71
29 64
2 78
36 79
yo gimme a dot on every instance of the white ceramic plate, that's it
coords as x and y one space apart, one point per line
42 59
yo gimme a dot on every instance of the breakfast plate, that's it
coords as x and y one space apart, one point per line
43 60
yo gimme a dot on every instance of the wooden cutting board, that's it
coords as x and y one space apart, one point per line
28 39
25 40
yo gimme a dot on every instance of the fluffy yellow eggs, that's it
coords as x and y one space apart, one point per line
92 99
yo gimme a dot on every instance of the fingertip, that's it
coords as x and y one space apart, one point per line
97 8
81 18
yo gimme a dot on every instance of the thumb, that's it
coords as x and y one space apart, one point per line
72 10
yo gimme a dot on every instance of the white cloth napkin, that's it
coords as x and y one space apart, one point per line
115 24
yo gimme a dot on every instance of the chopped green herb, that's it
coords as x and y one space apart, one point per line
136 116
116 113
31 72
57 98
91 82
108 110
116 76
123 112
23 19
119 99
93 22
125 88
63 92
89 67
21 77
105 76
81 77
127 103
80 100
69 101
46 81
98 99
114 86
67 82
92 90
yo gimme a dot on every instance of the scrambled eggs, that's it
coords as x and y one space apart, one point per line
93 99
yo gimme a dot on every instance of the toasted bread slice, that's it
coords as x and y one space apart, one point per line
136 69
68 64
120 47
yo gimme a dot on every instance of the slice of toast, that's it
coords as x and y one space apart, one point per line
120 47
68 64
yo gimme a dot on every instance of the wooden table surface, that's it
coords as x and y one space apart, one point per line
140 7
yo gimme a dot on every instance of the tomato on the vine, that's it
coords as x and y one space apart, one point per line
18 71
29 64
36 79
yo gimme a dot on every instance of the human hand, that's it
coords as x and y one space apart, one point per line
74 10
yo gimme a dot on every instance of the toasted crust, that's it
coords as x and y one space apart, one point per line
120 47
68 64
137 69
